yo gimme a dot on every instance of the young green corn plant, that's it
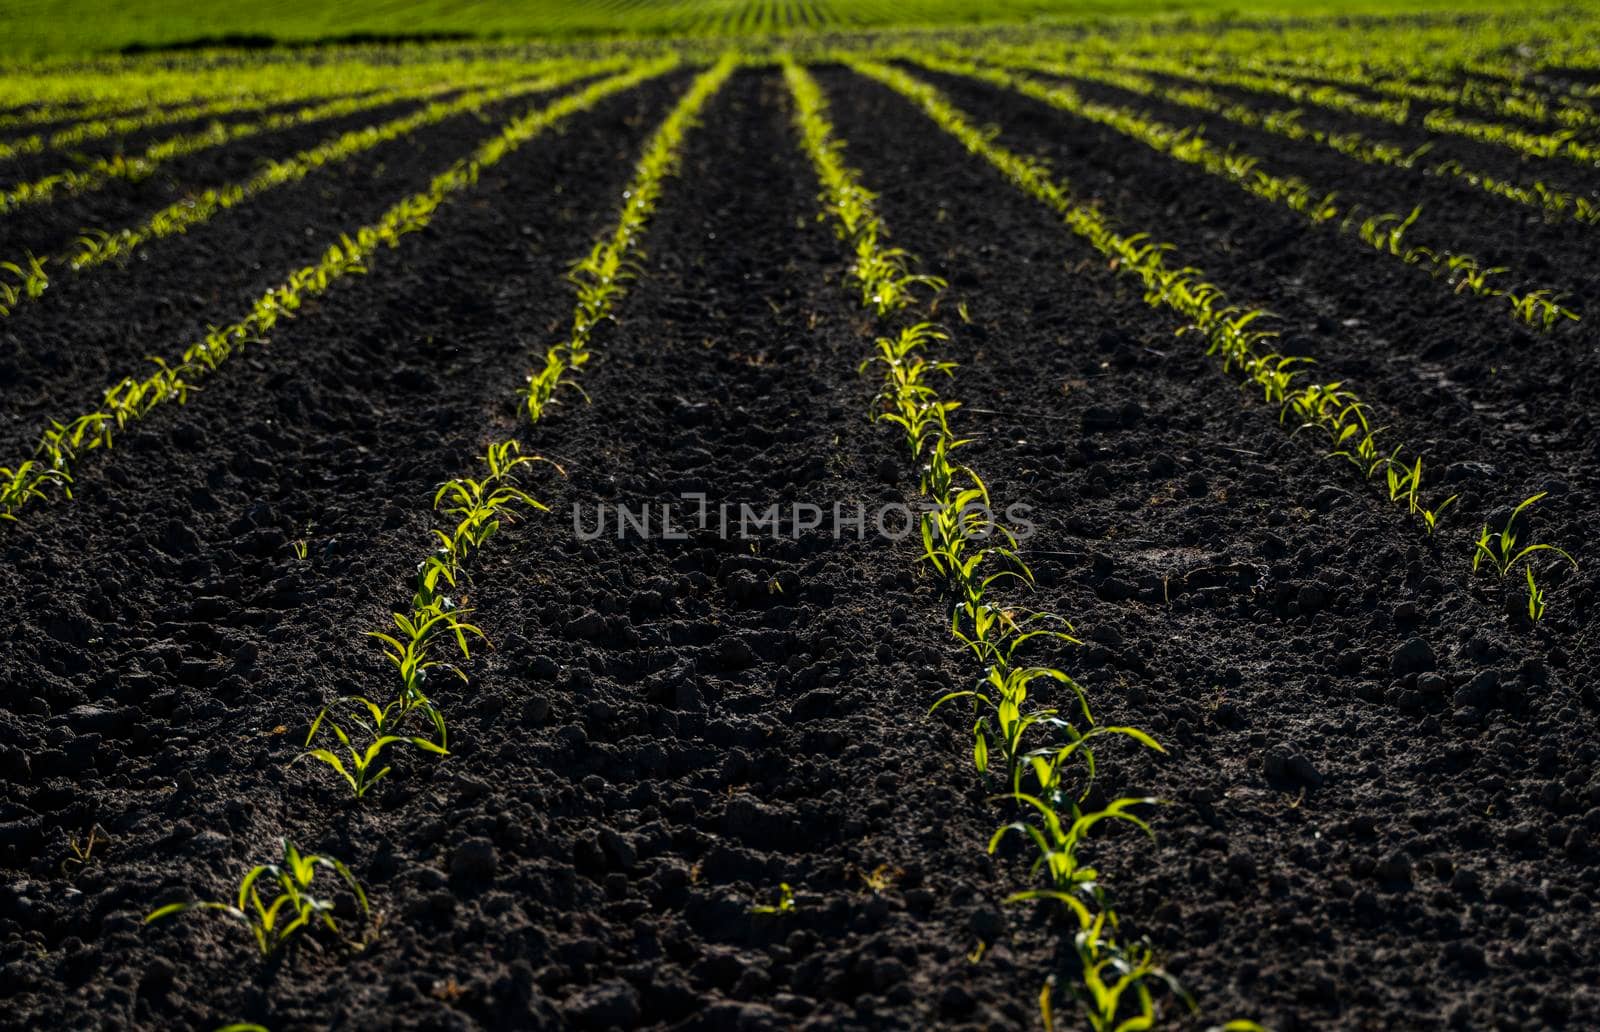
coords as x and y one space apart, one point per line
1536 599
784 906
959 534
408 651
1541 308
1500 551
1386 232
480 507
1004 695
364 766
907 400
1069 881
1467 276
289 909
26 483
1430 517
1365 454
27 283
1115 975
887 282
1049 767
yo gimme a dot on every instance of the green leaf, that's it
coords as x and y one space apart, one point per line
166 911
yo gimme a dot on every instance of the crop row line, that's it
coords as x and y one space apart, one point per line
28 278
1288 124
971 553
132 398
1503 100
125 123
100 171
1444 121
600 276
153 118
1453 87
55 96
1385 232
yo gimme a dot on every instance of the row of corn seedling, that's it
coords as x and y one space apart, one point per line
29 277
64 445
434 632
1502 100
601 276
1036 750
1332 413
96 173
1385 233
1564 143
123 123
91 123
1452 87
1288 124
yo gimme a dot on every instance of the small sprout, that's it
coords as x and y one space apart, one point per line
276 920
83 851
882 878
1502 554
785 904
1535 596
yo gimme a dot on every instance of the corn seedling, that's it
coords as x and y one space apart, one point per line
1000 699
1540 308
1536 598
26 483
289 908
1500 551
362 768
24 283
1116 975
1068 881
784 906
82 851
479 508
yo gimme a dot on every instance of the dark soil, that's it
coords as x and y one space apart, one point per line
1382 788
